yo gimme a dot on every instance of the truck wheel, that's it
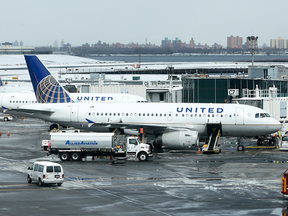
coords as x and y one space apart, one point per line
40 182
29 180
64 156
142 156
5 119
75 156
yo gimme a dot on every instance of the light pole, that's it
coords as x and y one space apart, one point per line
252 44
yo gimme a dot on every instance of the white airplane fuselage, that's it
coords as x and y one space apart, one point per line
235 119
11 100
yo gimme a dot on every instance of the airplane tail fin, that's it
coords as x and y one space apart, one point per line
46 87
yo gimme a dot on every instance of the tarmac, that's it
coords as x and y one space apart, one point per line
178 182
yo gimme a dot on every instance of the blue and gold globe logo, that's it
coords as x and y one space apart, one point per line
50 91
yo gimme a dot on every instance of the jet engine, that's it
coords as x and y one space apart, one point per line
177 140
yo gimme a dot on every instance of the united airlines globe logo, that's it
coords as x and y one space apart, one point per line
50 91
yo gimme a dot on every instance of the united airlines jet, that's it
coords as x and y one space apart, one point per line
174 125
14 99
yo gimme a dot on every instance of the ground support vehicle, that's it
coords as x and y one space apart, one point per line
283 145
285 183
6 118
76 146
213 144
45 172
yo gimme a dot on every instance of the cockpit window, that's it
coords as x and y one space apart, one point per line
262 115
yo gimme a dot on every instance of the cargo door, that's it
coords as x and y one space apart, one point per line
239 116
74 114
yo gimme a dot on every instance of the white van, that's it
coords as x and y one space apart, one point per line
45 172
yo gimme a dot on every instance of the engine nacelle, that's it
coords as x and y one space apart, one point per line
177 140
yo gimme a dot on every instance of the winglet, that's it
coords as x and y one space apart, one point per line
47 89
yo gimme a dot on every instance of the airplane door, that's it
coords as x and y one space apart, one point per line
239 116
74 114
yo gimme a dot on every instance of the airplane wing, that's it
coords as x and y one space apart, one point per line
31 111
148 128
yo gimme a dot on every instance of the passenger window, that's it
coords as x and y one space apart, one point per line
147 114
199 115
143 114
57 169
36 167
176 115
257 115
191 115
49 169
40 169
183 115
156 114
262 115
165 115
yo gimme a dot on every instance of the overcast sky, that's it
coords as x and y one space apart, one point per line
40 22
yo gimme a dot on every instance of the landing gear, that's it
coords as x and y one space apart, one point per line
240 147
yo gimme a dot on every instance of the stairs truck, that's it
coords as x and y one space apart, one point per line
76 146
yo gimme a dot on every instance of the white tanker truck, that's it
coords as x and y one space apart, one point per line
75 146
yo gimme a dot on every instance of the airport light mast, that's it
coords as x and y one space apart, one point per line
252 44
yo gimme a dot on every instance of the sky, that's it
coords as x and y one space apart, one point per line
41 22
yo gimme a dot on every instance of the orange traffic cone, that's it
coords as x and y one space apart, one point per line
8 134
199 152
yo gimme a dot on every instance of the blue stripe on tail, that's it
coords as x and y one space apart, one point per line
47 89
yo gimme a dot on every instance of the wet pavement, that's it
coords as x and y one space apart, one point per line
171 183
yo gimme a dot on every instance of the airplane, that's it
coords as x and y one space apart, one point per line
14 99
171 125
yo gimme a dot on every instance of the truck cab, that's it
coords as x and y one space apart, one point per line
141 150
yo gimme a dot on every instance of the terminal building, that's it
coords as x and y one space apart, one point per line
214 89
